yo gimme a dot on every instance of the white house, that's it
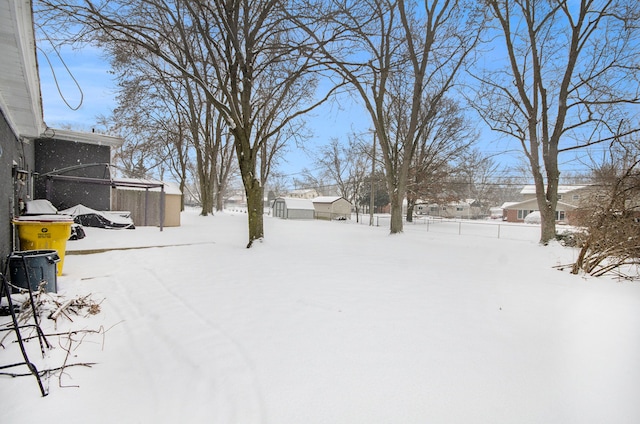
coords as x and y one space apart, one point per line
462 209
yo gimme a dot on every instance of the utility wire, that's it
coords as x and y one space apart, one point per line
55 78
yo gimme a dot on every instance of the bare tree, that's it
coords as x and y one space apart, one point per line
571 71
404 54
477 172
318 182
260 76
346 165
446 137
150 119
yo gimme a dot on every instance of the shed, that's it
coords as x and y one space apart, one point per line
332 207
289 208
145 204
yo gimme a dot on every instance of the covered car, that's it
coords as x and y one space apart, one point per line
101 219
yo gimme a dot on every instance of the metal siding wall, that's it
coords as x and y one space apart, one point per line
51 154
22 154
300 214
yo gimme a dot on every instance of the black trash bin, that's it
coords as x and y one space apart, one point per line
41 265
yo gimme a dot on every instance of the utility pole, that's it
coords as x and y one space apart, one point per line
373 171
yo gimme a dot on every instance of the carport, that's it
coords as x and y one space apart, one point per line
58 175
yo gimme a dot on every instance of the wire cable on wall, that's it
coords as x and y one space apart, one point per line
55 78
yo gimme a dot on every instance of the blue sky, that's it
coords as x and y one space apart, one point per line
91 91
86 86
77 96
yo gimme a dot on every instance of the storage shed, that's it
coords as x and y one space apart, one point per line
332 207
145 204
289 208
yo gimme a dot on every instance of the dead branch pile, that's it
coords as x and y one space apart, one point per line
612 222
55 311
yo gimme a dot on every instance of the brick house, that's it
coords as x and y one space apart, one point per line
569 198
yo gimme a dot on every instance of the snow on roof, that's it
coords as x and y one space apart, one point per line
533 202
531 189
506 205
326 199
296 203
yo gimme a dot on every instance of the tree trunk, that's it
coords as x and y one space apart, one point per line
547 223
547 200
548 219
219 200
411 202
396 211
182 190
255 210
206 198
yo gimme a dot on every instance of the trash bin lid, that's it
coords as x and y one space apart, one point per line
50 254
44 218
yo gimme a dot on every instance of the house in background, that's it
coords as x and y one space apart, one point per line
290 208
307 193
495 212
464 209
332 207
569 198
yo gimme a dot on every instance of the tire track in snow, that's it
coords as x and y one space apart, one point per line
214 366
242 391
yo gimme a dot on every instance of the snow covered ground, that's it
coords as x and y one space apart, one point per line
332 322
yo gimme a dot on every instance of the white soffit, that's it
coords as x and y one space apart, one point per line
20 97
83 137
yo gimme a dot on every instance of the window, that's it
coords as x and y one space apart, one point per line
560 216
459 208
559 196
575 197
522 214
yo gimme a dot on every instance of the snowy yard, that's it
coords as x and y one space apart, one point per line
333 322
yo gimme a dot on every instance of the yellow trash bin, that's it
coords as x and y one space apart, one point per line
42 232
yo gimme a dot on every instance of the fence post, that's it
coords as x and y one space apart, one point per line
499 230
460 228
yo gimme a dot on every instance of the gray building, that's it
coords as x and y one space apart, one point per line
21 119
290 208
73 168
